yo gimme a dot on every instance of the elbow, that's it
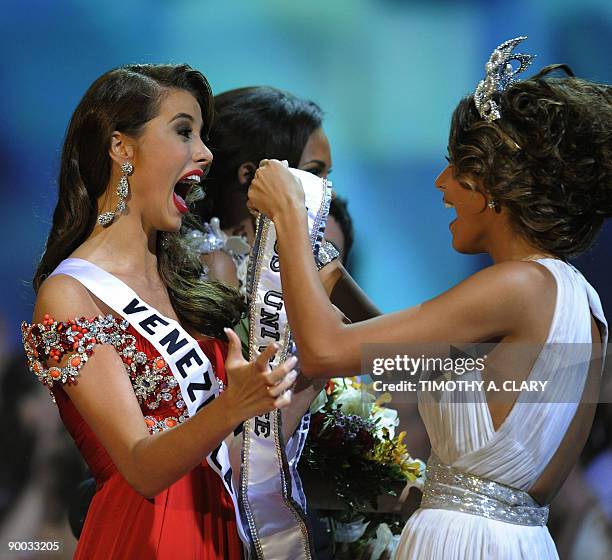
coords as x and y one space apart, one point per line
142 481
143 487
150 481
148 495
147 489
319 353
316 364
313 371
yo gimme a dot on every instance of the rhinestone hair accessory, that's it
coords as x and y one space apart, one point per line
499 75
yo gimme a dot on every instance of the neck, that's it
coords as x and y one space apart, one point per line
505 245
126 247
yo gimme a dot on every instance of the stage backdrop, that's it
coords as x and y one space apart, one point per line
388 74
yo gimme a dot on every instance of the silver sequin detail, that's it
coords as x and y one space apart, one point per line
499 76
327 253
451 489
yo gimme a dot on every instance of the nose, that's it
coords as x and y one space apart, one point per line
439 182
202 154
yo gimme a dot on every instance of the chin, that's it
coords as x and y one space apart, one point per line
176 226
465 248
174 222
170 225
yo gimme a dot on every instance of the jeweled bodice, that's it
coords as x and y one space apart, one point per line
57 351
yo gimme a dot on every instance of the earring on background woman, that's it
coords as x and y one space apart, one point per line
123 188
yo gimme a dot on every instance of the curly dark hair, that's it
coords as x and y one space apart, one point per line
547 161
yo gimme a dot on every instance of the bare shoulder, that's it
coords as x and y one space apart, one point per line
519 278
221 267
512 286
504 299
64 298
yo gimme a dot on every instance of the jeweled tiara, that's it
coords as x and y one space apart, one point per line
499 75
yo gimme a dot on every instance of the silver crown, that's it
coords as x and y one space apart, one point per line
499 75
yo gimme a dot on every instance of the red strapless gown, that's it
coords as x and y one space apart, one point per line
192 519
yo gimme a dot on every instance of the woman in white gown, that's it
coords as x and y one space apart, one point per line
530 179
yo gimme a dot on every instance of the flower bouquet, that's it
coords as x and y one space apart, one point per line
352 443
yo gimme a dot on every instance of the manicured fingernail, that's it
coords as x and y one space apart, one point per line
292 374
293 360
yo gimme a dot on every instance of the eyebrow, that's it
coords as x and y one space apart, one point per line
182 116
315 161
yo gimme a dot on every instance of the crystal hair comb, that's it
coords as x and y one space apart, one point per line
499 75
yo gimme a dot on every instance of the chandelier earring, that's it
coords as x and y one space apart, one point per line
123 189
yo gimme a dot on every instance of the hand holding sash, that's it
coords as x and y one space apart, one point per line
274 188
253 387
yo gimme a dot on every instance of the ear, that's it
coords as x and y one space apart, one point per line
483 200
121 148
246 172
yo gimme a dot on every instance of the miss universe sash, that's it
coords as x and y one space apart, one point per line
188 363
271 496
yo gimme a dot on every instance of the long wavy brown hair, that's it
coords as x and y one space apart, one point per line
124 100
548 160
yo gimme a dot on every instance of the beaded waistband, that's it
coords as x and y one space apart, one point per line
451 489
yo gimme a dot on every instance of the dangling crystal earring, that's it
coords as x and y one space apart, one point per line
123 188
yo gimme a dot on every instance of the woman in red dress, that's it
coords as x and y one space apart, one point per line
126 389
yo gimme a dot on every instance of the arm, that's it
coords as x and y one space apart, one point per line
492 303
345 294
300 403
342 290
105 399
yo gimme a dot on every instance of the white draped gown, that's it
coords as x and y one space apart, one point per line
459 525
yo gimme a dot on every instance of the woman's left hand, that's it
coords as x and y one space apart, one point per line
274 189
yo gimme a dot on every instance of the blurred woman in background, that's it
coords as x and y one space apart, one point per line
251 124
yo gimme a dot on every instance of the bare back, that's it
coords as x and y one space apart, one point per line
532 443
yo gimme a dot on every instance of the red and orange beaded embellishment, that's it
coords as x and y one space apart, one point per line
154 385
53 341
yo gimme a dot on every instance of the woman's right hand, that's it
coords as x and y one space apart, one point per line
274 189
254 388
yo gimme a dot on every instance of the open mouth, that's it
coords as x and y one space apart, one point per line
448 204
181 191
